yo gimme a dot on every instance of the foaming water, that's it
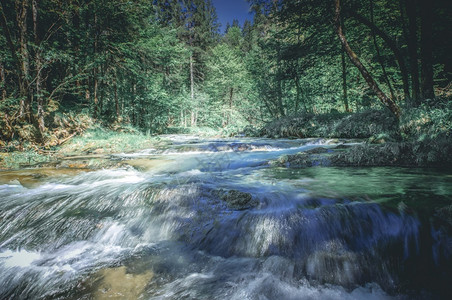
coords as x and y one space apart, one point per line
168 231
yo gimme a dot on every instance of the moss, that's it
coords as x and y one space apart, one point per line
237 200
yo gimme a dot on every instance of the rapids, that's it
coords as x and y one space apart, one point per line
158 227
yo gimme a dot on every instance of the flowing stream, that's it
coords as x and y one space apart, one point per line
165 226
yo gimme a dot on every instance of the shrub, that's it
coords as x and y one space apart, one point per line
344 125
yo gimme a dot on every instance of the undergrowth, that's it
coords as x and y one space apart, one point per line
99 140
422 136
341 125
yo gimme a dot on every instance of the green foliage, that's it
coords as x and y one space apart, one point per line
161 65
427 120
16 160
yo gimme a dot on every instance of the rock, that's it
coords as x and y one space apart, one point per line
238 200
331 141
301 160
342 146
38 175
14 182
370 155
116 283
318 150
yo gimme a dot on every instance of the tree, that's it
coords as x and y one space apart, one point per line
227 76
426 9
389 103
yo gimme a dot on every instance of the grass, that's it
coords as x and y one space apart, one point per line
96 140
15 160
103 141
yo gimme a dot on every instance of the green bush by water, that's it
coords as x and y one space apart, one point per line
344 125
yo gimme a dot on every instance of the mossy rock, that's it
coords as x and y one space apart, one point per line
238 200
310 158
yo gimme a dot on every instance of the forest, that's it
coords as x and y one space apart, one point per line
164 66
149 152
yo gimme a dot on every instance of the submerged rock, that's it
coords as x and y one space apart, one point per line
116 283
238 200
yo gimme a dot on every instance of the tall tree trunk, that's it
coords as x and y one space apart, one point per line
101 89
426 8
95 92
192 91
182 118
2 81
134 109
123 100
21 17
87 93
377 49
344 72
410 6
39 69
391 45
389 103
297 77
279 79
95 70
118 113
298 97
344 81
76 42
10 42
231 93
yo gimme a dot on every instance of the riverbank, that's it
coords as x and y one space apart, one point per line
421 138
89 149
94 143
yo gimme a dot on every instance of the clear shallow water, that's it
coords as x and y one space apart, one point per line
160 230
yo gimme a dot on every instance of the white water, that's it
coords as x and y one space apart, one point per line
169 227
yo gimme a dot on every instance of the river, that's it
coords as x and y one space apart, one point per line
164 225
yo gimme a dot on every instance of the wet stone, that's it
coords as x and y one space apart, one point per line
38 175
238 200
